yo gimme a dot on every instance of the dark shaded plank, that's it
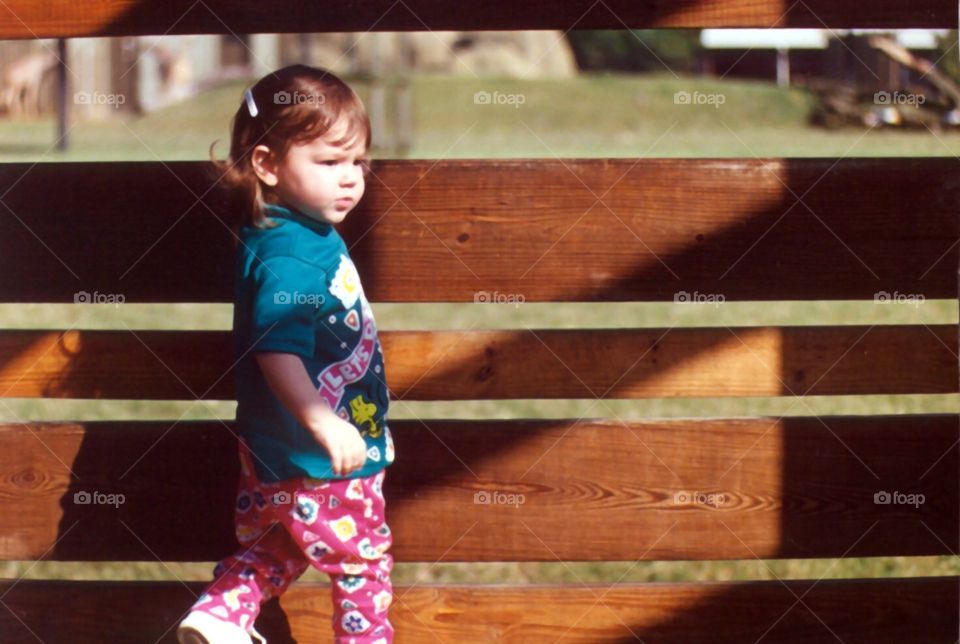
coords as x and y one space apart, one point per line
60 18
791 488
662 230
487 365
869 611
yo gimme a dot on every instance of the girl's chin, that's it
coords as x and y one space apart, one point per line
335 215
331 215
338 212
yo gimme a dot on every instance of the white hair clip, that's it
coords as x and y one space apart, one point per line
251 106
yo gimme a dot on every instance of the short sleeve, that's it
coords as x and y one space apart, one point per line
289 296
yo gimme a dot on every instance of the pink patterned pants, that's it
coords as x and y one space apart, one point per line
336 525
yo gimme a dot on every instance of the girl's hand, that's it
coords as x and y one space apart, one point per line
348 451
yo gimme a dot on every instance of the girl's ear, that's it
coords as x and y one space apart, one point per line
264 164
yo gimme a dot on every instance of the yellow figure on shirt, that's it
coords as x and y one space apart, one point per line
363 413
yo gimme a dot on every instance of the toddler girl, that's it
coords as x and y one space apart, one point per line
311 388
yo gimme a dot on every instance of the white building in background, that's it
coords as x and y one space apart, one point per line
784 40
809 38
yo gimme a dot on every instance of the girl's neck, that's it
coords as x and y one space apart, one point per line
289 212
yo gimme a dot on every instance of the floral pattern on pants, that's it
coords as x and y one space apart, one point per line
337 526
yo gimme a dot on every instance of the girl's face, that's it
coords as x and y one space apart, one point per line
320 180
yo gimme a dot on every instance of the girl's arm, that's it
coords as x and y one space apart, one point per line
290 382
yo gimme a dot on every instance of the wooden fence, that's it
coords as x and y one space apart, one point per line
595 489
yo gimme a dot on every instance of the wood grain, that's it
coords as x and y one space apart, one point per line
854 611
530 363
544 490
576 230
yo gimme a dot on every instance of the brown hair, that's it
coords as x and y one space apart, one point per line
283 119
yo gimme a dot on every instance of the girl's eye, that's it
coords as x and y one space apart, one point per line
332 162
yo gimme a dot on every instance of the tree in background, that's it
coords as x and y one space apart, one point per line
637 50
947 58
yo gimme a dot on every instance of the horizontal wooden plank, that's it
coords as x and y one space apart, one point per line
514 490
870 611
60 18
536 229
530 363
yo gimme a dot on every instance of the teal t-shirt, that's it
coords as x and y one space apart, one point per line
296 290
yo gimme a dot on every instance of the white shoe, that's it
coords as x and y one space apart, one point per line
200 627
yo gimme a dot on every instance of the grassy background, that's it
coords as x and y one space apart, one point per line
591 116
